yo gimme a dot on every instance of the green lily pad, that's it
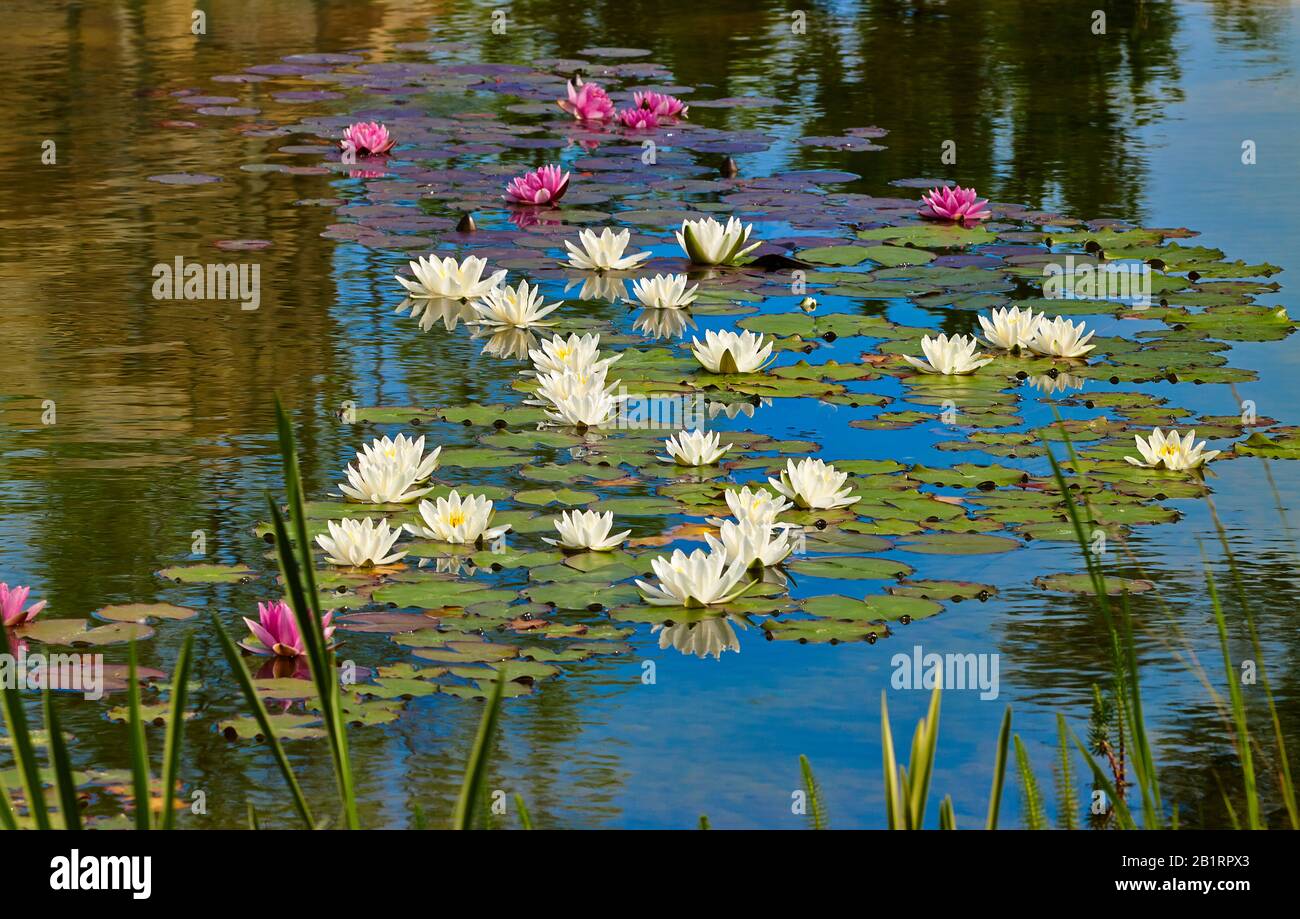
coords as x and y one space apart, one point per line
77 632
959 544
144 612
943 590
823 630
208 574
1082 584
886 608
846 566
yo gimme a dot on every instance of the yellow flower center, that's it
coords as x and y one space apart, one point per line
455 518
1169 450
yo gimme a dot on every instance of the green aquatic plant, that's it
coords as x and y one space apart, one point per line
297 569
67 813
1116 726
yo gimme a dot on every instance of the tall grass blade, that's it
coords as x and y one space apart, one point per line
476 769
1124 652
1242 729
1067 814
1144 765
525 819
300 578
1286 782
893 801
1035 817
138 746
924 747
62 766
999 771
175 734
1122 814
8 821
947 818
29 771
255 704
816 811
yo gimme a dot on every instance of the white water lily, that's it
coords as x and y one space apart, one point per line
585 410
663 323
753 506
758 545
1011 328
707 242
581 399
706 638
949 356
814 485
728 352
665 292
567 381
587 530
439 309
1171 451
577 352
457 520
408 451
695 580
695 448
382 481
1060 338
518 307
360 543
446 277
603 252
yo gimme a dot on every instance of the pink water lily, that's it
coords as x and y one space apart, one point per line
276 631
959 204
11 605
662 104
638 118
587 102
367 138
543 186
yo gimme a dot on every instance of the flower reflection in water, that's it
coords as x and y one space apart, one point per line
663 323
597 286
706 636
508 343
1061 382
525 216
733 410
432 311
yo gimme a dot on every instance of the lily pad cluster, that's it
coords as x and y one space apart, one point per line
844 285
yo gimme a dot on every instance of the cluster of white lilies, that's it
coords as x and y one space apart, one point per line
1012 329
497 307
1017 330
573 387
397 471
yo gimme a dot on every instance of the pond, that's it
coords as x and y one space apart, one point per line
139 434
